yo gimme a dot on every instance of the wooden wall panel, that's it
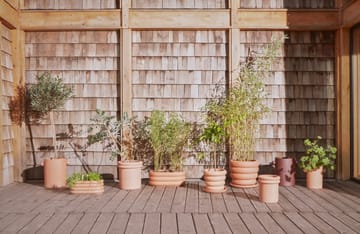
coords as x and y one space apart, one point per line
69 4
202 4
89 62
301 92
7 136
304 4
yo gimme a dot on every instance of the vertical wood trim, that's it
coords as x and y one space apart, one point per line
18 43
125 60
343 103
1 114
234 38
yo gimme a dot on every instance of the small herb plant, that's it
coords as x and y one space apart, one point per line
115 135
168 138
91 176
317 156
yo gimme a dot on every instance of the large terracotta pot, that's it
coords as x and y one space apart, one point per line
214 180
286 169
314 179
86 187
244 173
55 173
269 188
130 174
165 178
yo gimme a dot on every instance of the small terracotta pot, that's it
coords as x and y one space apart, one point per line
244 173
86 187
214 180
130 174
314 179
55 173
269 188
165 178
286 169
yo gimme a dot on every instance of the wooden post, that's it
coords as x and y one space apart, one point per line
343 103
234 41
1 115
125 61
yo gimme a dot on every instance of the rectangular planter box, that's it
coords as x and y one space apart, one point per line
86 187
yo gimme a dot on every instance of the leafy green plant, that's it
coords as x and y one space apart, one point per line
91 176
115 135
317 156
168 137
47 94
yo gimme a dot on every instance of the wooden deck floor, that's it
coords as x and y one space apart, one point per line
27 208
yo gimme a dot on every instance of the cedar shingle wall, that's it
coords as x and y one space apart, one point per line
287 4
6 77
301 92
89 62
69 4
179 4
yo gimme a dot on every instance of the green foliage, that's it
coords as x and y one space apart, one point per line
168 137
115 135
91 176
49 93
240 111
317 156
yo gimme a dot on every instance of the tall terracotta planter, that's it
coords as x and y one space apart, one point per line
286 169
130 174
244 173
314 179
215 180
88 187
55 172
269 188
164 178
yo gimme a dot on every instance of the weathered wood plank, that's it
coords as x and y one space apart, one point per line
202 223
335 223
324 193
115 201
135 223
287 225
128 201
178 204
166 200
230 201
253 196
244 203
235 223
152 223
103 200
339 194
218 203
300 205
153 203
102 223
306 199
86 222
320 224
219 223
185 223
204 200
304 225
252 223
19 221
36 223
192 204
119 223
268 222
142 199
52 224
347 220
69 223
169 223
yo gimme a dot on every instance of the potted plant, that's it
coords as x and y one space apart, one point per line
117 136
168 138
315 161
80 183
214 136
285 168
48 94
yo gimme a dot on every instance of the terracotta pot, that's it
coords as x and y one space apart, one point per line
130 174
55 173
314 179
165 178
244 173
286 169
269 188
214 180
86 187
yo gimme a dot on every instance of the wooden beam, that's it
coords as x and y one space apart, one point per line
1 113
70 20
351 14
288 19
9 15
13 3
343 103
179 18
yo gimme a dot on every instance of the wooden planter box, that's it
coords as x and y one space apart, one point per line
86 187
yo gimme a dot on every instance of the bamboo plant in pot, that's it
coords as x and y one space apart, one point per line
168 137
315 161
241 110
117 136
47 95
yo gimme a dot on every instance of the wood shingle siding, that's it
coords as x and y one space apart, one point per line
204 4
70 4
89 62
313 4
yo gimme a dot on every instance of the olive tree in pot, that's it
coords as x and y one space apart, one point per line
47 95
241 110
315 161
117 136
168 137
